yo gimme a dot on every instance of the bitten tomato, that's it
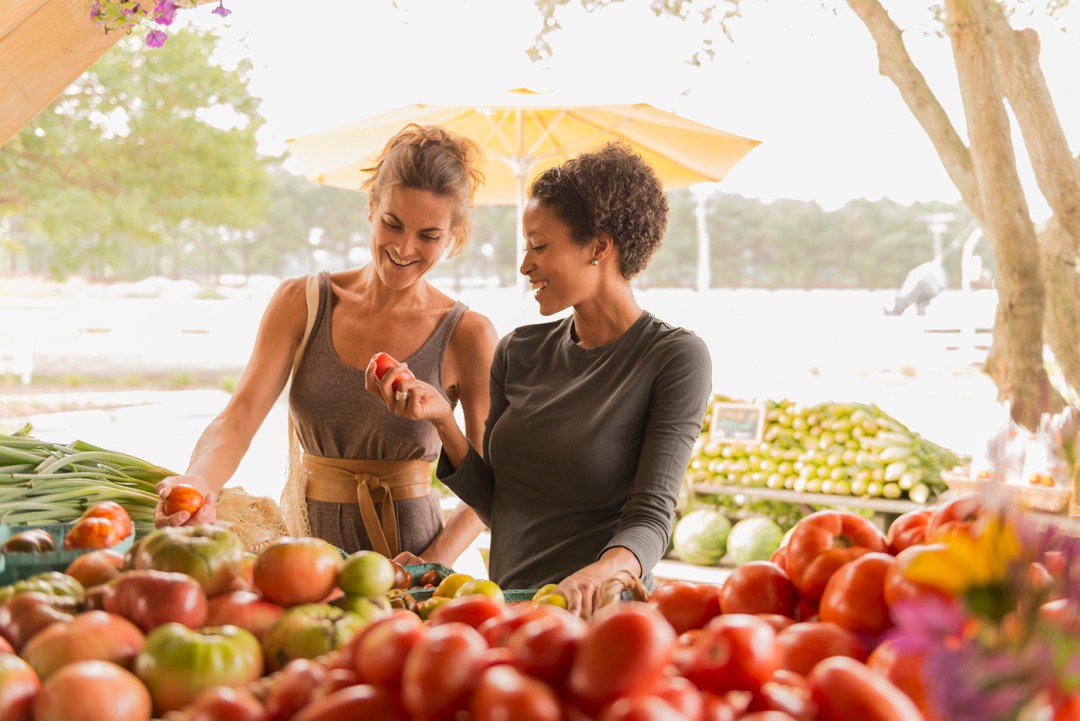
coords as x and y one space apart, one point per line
442 670
822 542
908 529
846 690
854 597
506 693
686 605
184 497
759 587
802 645
625 649
384 362
736 652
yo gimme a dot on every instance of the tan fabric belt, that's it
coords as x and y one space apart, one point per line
345 480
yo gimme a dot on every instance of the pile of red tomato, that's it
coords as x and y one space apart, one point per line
189 628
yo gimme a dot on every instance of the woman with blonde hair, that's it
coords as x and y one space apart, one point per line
365 474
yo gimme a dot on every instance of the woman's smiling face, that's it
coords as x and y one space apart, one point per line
560 271
410 230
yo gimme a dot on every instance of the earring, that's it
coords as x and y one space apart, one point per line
595 261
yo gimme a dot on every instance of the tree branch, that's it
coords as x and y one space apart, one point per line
896 64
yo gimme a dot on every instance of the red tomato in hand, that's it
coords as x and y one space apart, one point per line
184 497
802 645
735 652
854 597
624 650
908 530
823 542
384 362
686 605
759 587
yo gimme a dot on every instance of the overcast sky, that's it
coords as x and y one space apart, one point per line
796 76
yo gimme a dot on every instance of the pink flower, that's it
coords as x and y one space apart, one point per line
156 38
164 12
221 9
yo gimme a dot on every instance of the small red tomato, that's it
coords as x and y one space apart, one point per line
184 497
92 532
384 362
430 578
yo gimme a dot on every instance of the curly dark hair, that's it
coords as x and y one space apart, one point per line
611 189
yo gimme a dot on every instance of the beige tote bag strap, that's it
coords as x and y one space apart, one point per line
293 500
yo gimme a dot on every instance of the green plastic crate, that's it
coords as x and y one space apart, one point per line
17 566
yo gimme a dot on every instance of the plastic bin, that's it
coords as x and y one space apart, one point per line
16 566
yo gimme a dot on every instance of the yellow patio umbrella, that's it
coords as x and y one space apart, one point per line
523 133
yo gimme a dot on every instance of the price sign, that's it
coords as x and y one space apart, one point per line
737 422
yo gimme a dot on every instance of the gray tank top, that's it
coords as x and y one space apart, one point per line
337 418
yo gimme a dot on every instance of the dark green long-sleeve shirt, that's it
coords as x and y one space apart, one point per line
584 449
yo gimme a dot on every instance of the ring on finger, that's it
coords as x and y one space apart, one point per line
401 395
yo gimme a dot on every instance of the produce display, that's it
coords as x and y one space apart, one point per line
842 449
834 628
42 482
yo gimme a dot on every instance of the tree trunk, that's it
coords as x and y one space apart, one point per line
988 182
1058 176
1015 362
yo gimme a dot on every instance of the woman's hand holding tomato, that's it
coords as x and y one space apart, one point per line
177 512
419 401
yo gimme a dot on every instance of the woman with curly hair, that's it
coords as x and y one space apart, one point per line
593 416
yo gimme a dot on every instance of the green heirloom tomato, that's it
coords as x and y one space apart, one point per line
52 583
308 631
177 663
212 555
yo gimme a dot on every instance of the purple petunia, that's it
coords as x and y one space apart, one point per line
221 9
164 13
156 38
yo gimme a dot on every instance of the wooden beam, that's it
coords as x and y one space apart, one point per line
44 46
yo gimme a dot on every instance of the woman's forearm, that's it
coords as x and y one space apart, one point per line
454 443
217 454
461 528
